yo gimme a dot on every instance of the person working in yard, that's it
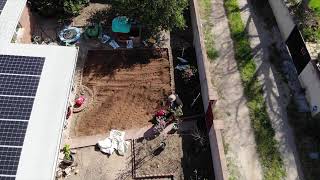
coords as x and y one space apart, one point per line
174 107
170 114
174 101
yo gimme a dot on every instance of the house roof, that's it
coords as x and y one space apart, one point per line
40 147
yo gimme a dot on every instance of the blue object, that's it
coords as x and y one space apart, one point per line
73 39
121 24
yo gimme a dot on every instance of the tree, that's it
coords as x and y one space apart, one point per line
57 7
155 15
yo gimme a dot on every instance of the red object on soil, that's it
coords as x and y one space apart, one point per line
80 101
161 113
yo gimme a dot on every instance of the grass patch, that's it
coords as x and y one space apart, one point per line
267 146
315 5
311 33
205 13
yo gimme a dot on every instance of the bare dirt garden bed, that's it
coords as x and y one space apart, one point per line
128 86
183 158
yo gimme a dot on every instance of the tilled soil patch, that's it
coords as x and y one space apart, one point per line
128 87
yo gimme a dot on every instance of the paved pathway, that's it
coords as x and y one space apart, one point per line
242 158
262 36
84 141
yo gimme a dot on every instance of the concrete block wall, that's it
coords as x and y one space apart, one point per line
209 96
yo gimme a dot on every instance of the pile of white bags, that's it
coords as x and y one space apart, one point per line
114 142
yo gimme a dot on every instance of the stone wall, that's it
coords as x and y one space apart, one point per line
209 97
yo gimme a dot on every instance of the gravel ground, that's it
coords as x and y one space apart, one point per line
93 165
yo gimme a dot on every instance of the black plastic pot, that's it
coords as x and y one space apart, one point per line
68 162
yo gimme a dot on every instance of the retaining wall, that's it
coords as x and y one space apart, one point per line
209 96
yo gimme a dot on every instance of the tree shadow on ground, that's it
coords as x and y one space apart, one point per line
107 62
269 66
104 17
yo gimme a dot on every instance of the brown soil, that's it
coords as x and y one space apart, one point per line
92 13
128 86
167 162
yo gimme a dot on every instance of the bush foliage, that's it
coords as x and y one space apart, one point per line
156 14
58 7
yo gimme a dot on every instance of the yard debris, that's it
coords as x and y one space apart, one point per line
70 35
69 112
195 100
152 40
187 72
93 31
105 38
36 40
67 171
114 142
145 43
129 44
114 44
73 151
314 155
182 60
182 67
59 173
159 149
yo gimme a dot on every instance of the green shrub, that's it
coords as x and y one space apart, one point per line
59 7
311 34
155 15
315 5
67 152
73 7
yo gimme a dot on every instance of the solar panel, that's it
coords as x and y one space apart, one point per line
21 65
12 133
18 85
19 80
7 178
2 3
15 107
9 160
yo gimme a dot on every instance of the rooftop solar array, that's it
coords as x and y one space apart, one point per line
2 3
19 80
19 65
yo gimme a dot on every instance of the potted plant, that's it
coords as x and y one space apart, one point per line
68 158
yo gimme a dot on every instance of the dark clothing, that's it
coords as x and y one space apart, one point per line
178 101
